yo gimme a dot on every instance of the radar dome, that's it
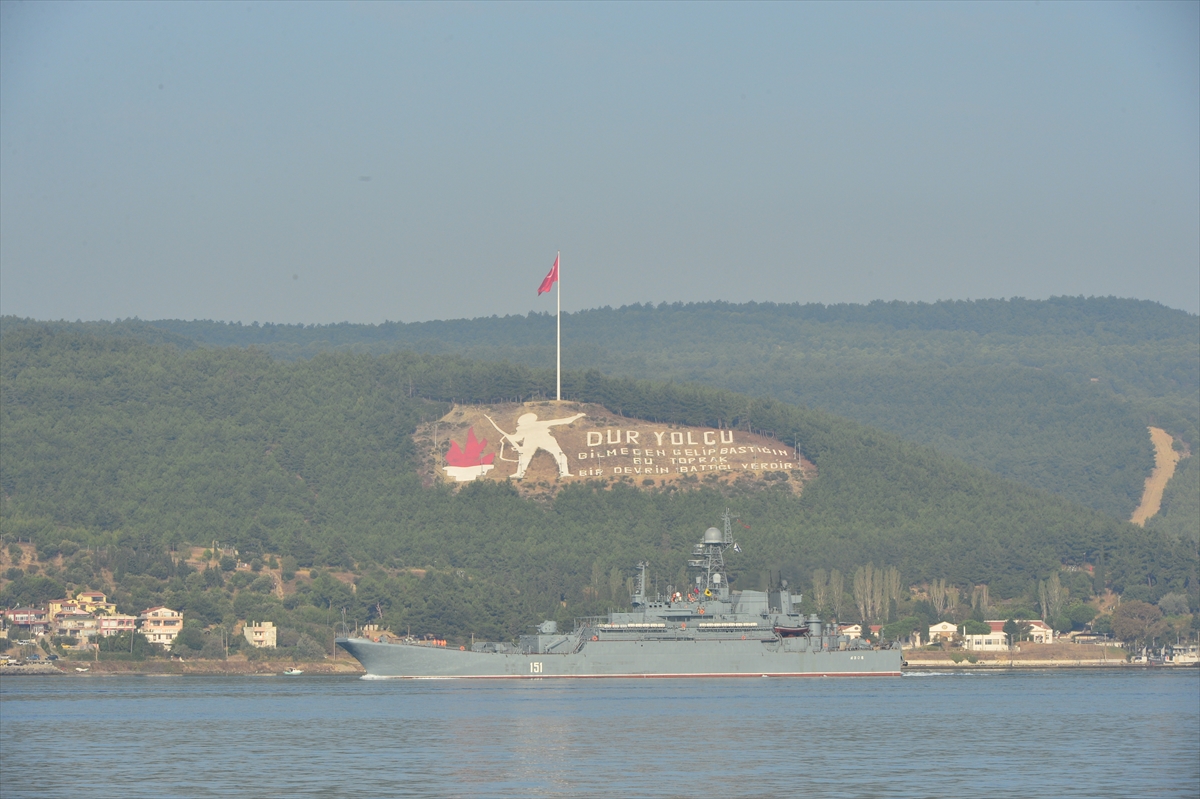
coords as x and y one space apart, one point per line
713 536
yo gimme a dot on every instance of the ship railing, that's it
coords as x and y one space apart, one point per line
589 621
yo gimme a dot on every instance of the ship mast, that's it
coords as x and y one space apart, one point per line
711 552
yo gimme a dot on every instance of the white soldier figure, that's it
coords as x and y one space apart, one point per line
532 435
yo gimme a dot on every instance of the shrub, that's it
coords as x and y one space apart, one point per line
119 644
903 627
213 578
1080 614
973 627
190 638
1140 593
307 648
240 580
214 648
1174 605
1061 624
1135 620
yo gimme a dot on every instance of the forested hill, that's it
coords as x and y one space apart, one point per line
115 452
1056 394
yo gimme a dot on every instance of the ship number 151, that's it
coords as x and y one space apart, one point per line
535 668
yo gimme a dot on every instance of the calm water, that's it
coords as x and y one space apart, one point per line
1086 734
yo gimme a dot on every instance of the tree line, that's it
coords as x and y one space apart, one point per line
116 455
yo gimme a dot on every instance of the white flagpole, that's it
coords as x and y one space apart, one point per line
558 322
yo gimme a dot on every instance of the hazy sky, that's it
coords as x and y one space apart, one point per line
366 161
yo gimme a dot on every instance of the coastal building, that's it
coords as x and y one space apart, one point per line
997 641
95 602
160 625
1039 631
35 621
850 630
942 631
65 605
78 625
116 624
261 635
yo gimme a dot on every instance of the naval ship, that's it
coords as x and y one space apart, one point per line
707 631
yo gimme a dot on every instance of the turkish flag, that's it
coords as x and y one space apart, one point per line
550 278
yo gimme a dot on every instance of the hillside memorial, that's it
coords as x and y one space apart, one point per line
565 442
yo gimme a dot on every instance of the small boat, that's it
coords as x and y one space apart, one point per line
293 672
81 670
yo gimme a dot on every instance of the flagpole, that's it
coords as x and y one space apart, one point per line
558 323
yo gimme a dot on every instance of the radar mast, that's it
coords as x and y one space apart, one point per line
709 555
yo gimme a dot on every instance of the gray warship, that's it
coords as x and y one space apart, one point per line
707 631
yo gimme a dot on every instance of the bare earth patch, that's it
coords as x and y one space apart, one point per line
1165 458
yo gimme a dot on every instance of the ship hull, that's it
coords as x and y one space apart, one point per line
627 658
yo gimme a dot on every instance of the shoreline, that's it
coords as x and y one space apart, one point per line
276 668
1034 656
1041 665
183 668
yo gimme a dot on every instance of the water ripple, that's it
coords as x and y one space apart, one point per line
1080 734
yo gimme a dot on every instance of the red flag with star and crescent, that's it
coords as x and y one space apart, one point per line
550 279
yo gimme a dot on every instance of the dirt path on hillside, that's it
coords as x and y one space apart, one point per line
1165 458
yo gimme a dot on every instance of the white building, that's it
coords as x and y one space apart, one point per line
261 635
160 625
942 631
997 641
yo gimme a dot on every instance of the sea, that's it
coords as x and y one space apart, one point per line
1088 733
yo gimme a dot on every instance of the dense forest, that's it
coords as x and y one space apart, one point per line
117 455
1055 394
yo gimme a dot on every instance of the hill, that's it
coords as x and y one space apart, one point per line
1055 394
117 457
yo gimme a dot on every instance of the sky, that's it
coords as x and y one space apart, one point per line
366 162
